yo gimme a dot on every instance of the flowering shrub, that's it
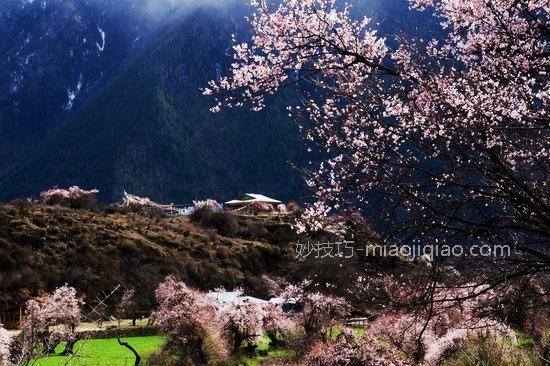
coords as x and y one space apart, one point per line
259 207
374 351
5 349
342 352
318 311
242 323
209 204
62 310
276 323
49 319
350 349
282 208
455 316
187 319
73 197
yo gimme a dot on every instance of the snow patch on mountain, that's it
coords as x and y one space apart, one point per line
16 82
102 34
73 93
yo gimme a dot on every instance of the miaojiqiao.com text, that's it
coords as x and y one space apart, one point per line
347 249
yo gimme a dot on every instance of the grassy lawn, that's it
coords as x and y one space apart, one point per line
107 352
104 352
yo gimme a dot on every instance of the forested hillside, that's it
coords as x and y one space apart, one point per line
150 131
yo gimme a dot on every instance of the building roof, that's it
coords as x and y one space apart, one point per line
282 300
252 197
233 297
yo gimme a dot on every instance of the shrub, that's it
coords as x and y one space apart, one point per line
49 320
493 351
276 324
188 321
342 352
318 312
73 197
348 350
209 204
242 324
224 222
5 344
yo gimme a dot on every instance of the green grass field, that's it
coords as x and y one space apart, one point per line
107 352
104 352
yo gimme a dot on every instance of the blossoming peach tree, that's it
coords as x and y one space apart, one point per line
185 318
452 133
49 320
74 197
241 324
318 312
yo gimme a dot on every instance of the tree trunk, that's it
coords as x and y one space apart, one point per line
69 347
50 348
127 345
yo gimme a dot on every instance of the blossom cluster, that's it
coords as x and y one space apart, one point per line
350 349
5 349
452 131
49 319
318 311
71 195
191 318
210 204
456 315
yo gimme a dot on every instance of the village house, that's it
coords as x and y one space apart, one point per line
13 317
253 199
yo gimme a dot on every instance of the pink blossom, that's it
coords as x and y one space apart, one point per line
442 128
5 347
275 321
74 196
318 311
341 352
49 319
210 204
185 315
242 323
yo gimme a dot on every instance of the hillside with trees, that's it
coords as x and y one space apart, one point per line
94 251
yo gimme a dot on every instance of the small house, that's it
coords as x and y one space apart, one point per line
253 199
12 318
233 297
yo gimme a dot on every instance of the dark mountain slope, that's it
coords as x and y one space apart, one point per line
56 54
150 131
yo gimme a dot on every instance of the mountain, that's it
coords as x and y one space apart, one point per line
106 94
150 131
55 54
